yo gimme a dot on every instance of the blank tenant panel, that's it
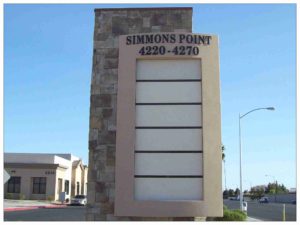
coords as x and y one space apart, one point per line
168 189
168 164
168 115
168 139
168 69
168 92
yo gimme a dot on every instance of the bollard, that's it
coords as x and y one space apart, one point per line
283 213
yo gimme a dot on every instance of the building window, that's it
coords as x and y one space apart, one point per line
13 185
67 183
39 185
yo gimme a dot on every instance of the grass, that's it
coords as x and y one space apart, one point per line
230 215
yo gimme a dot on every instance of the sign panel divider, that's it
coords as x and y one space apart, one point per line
167 176
192 127
174 80
173 103
168 151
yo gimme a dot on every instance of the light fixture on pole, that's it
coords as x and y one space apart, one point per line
240 145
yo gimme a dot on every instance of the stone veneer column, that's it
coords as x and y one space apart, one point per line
109 24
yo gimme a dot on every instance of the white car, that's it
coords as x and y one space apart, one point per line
79 200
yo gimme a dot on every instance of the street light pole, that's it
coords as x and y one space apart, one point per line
241 179
240 145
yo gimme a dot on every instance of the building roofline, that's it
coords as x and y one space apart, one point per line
34 165
78 163
149 8
38 153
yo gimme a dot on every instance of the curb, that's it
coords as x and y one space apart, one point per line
20 209
53 206
33 207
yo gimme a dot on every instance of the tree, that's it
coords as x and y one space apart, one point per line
282 189
231 192
225 194
273 188
223 159
223 154
257 192
237 192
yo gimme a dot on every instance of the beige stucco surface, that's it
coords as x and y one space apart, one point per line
125 204
79 175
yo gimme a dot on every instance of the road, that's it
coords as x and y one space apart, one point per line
70 213
266 212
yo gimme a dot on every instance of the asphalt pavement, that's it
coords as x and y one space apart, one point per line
266 211
69 213
10 205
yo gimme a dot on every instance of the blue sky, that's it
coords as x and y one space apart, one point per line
47 74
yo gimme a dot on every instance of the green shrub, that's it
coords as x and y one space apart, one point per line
8 196
22 196
50 198
230 215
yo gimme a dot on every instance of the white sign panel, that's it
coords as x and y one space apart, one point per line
168 154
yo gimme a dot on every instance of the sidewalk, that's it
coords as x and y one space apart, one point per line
18 205
250 219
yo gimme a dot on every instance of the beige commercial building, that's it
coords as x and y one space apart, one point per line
44 176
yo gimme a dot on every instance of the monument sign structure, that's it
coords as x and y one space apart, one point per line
155 137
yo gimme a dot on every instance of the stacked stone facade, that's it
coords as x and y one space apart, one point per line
109 24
